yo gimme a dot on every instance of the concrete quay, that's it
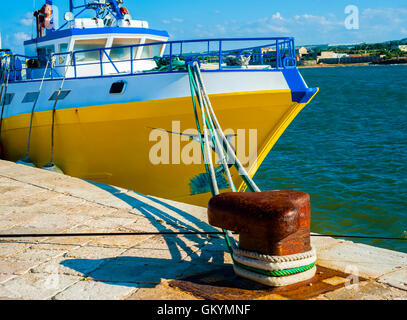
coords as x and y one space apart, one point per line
152 266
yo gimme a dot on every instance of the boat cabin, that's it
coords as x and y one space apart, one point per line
96 46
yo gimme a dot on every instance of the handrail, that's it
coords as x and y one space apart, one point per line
282 51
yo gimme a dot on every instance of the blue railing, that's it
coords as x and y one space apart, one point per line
268 54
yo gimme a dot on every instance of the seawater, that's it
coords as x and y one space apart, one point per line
348 150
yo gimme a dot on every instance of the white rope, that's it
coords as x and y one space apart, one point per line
272 266
274 259
241 169
214 133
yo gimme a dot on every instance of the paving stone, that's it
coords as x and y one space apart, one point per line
167 247
11 266
103 223
140 270
219 257
37 255
369 290
46 223
36 286
368 261
95 252
161 292
11 248
321 243
118 241
96 290
68 266
14 221
396 279
171 212
4 277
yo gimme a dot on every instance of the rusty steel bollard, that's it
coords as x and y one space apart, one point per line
274 234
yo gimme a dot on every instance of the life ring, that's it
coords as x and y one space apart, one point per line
124 11
45 16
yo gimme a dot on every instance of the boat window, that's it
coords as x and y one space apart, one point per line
152 50
63 47
118 87
8 98
62 95
30 97
42 52
88 45
123 53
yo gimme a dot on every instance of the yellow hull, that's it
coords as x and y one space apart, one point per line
110 143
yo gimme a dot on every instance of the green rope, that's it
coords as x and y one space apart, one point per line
191 84
275 273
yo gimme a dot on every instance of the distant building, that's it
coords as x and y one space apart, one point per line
403 47
327 55
341 55
267 50
331 55
302 51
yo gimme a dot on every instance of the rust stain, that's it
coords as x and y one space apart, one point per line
224 284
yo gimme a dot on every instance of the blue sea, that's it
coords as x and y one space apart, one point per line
348 150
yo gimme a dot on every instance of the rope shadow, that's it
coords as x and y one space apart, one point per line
141 271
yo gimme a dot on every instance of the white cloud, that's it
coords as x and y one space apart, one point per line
178 20
27 19
21 36
317 20
277 16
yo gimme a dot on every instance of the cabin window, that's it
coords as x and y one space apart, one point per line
30 97
8 98
123 53
63 47
42 52
62 95
118 87
152 50
89 45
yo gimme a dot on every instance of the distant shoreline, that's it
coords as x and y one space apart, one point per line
381 63
349 65
325 65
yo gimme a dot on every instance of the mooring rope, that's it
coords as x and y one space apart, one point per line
107 234
249 253
51 162
27 156
4 98
211 125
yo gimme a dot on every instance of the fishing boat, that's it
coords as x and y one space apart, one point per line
99 97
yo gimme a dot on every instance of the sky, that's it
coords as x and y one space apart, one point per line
309 21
